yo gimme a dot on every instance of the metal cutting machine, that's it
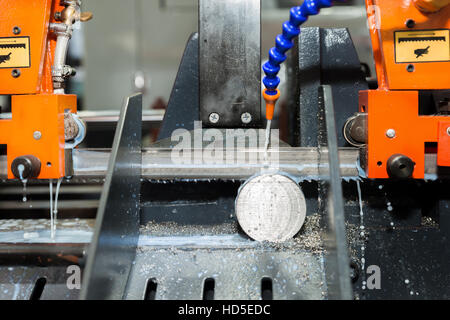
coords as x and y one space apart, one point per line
351 201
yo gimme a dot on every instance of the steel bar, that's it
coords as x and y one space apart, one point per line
113 247
44 204
90 166
44 190
110 116
159 164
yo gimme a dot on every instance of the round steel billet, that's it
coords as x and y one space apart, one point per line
271 207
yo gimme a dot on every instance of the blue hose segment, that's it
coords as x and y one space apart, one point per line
285 41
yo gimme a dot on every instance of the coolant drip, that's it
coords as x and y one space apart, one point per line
21 168
51 210
266 146
24 190
54 210
362 232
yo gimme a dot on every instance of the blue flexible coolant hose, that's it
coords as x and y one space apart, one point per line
284 41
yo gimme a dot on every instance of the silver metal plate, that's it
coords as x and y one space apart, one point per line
230 55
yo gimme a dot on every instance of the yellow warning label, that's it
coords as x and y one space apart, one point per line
15 52
422 46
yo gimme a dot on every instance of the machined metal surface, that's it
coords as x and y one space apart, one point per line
271 207
230 55
91 165
117 224
35 283
180 260
108 118
237 272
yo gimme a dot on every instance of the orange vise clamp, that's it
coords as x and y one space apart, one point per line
411 46
44 127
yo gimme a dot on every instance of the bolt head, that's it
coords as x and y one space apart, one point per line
15 73
214 117
246 118
410 23
390 133
448 131
37 135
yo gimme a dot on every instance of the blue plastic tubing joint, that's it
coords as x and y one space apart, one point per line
284 41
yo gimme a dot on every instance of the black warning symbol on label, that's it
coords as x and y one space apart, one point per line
415 39
5 58
420 52
13 46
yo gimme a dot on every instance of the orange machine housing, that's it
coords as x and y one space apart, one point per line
395 104
34 106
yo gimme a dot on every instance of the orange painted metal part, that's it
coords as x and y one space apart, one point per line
33 18
431 5
387 16
443 154
395 105
47 118
397 110
34 106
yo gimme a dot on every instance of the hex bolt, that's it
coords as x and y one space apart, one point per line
37 135
448 131
390 133
246 118
214 117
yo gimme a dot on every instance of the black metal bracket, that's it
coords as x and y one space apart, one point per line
322 56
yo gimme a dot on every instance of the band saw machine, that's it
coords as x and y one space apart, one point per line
352 201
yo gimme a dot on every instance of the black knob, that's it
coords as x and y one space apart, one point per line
26 167
400 167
